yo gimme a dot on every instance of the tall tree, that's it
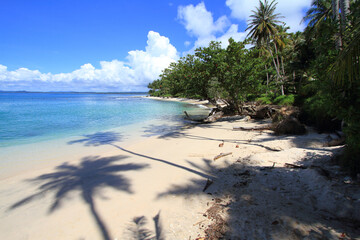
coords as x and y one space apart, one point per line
263 26
319 12
345 11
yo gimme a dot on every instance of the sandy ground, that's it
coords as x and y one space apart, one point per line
154 188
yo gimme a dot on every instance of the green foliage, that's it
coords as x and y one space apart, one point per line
264 100
309 68
286 100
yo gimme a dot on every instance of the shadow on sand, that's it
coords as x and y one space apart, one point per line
139 231
110 138
272 202
89 177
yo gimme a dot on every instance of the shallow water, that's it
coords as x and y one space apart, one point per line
34 117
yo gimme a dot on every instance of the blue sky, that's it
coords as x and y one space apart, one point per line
113 45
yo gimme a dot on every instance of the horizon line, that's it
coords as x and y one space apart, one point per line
75 92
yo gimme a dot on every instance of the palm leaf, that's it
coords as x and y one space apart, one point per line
346 68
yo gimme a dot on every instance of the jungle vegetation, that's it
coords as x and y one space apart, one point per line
317 69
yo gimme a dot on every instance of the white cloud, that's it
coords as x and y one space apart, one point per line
140 68
291 10
199 22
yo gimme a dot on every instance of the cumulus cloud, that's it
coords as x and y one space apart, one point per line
291 10
199 22
134 74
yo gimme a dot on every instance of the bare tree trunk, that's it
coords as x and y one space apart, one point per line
336 17
345 10
281 77
276 66
294 76
282 65
267 78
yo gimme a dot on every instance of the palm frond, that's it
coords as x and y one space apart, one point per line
347 66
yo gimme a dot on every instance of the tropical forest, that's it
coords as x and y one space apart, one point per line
316 70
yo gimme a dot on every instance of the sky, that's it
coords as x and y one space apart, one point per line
114 45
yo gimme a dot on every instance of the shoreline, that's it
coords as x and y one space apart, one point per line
202 103
16 159
111 189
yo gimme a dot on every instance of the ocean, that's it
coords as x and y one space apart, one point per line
35 117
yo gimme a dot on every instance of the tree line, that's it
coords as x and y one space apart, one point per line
317 69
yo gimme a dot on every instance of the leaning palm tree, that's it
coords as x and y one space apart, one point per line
346 69
320 11
326 10
263 26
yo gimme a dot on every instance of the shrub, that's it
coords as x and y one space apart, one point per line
285 100
264 99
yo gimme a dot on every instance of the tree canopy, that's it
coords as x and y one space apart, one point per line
317 69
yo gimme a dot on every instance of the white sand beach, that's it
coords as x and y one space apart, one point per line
153 187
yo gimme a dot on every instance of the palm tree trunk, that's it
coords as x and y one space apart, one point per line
294 77
267 78
282 65
276 66
281 78
336 17
345 10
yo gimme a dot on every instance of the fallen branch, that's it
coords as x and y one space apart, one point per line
335 142
257 128
212 117
290 165
222 155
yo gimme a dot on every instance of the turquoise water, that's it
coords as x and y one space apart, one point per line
34 117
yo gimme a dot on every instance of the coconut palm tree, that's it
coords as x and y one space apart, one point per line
320 11
263 22
347 65
263 26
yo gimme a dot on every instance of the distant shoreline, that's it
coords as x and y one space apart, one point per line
60 92
201 103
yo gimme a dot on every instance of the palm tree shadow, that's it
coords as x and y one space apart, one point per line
89 177
110 138
139 231
99 138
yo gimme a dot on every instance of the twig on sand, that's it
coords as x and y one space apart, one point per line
222 155
199 222
257 128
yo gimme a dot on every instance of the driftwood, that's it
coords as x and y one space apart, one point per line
290 165
257 128
319 169
212 117
335 142
222 155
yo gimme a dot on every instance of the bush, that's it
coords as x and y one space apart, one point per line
264 99
316 112
285 100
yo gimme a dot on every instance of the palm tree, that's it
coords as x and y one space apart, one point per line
347 65
263 26
325 10
320 11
